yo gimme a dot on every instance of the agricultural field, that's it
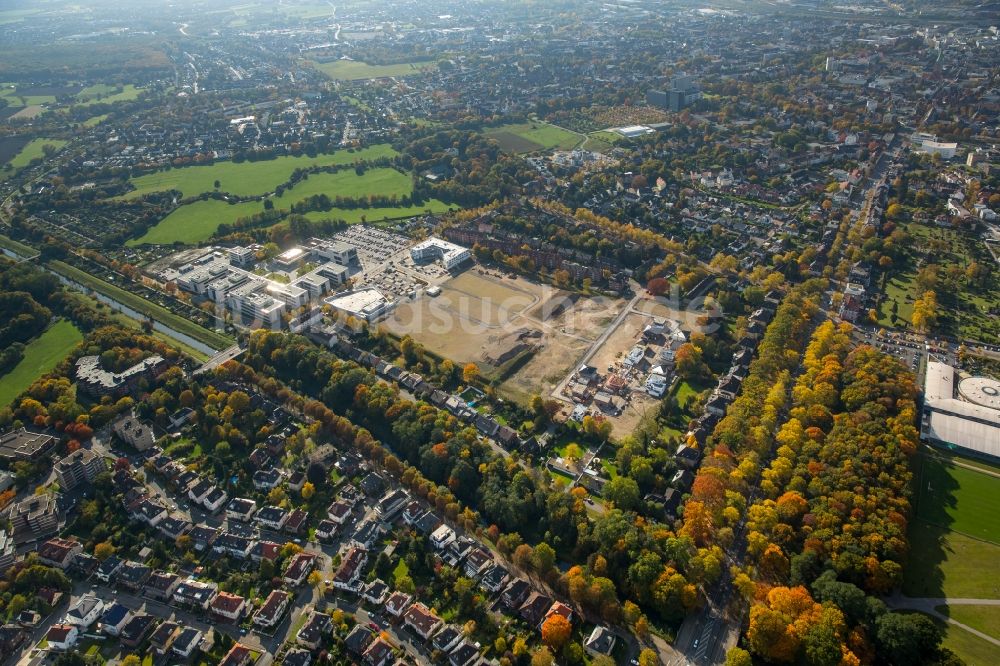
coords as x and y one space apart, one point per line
353 70
32 150
245 178
41 355
532 137
955 534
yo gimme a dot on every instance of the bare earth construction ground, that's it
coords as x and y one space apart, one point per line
482 315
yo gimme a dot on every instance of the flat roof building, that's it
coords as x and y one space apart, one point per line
961 412
450 254
364 304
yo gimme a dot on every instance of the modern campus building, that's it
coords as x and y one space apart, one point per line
451 254
961 412
363 304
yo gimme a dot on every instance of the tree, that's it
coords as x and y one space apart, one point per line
906 639
104 550
523 556
737 656
924 316
131 660
308 490
648 658
556 631
688 361
315 578
623 491
470 373
544 558
542 657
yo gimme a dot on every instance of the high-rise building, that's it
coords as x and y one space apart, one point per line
81 466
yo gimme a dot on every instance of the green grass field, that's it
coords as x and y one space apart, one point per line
96 120
981 618
196 222
960 499
41 355
943 563
245 178
352 70
532 137
34 150
105 94
14 246
142 306
971 649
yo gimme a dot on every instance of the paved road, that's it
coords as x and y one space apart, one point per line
930 605
220 357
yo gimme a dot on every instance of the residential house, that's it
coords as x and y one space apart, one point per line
115 617
163 637
348 575
339 512
270 613
358 640
241 508
391 504
228 607
533 610
133 575
109 569
186 642
272 517
446 639
376 592
600 642
379 653
493 578
297 657
238 655
312 632
466 654
397 603
136 630
161 585
516 593
298 568
62 637
477 561
421 620
195 594
85 611
59 552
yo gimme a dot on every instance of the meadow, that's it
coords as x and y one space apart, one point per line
531 137
245 178
34 149
196 222
41 355
353 70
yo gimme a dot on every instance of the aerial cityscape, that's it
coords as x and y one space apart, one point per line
514 333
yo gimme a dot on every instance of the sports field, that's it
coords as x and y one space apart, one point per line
961 499
532 137
34 149
246 178
971 649
40 356
955 533
355 215
352 70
